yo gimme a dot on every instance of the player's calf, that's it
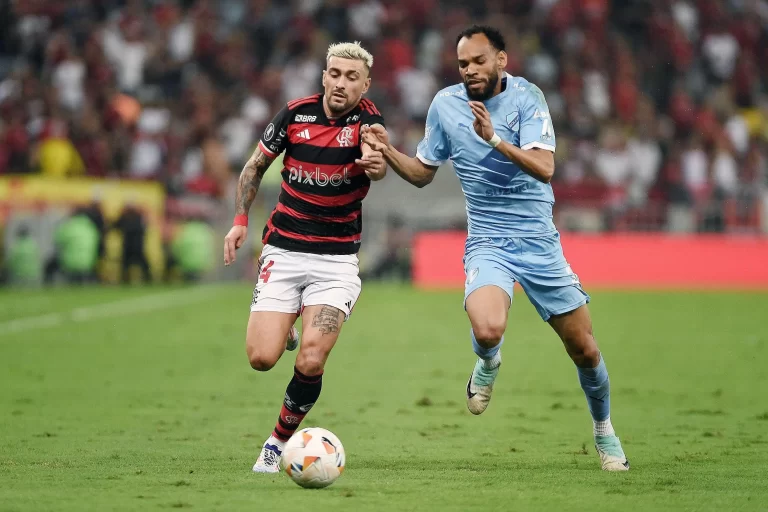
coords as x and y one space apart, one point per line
487 308
575 330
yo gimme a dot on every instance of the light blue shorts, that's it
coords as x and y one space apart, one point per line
538 264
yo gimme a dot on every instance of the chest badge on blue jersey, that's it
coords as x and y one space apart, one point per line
513 121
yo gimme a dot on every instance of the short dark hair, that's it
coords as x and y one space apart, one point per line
493 35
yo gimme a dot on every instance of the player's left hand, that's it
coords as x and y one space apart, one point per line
374 165
482 124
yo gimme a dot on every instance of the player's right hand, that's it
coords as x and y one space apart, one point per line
376 137
233 241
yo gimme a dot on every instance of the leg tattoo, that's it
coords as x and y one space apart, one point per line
327 320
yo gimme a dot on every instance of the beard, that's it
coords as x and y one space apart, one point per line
335 107
487 91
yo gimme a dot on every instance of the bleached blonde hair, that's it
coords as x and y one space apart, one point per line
353 51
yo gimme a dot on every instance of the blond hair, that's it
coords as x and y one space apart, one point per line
352 51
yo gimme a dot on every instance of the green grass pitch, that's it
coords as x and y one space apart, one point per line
142 399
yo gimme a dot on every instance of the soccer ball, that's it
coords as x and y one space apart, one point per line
313 457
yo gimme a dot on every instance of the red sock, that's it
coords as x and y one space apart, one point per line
301 394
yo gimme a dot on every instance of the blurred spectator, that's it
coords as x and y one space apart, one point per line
56 156
178 91
192 249
23 264
76 250
133 229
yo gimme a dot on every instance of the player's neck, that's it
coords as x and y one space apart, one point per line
333 115
501 85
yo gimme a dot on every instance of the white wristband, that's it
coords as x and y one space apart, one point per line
495 140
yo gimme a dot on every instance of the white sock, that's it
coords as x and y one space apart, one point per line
492 363
603 428
276 442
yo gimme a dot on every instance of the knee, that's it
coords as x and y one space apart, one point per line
583 349
260 360
489 332
311 358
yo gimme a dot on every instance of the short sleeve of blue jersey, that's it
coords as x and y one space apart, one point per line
536 129
434 148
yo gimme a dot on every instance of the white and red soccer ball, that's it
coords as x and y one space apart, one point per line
313 458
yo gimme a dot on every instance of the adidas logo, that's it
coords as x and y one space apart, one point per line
304 134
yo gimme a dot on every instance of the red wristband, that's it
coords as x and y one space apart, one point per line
241 220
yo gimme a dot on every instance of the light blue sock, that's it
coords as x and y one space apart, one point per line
595 383
481 351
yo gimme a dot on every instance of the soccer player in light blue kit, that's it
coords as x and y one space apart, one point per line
497 132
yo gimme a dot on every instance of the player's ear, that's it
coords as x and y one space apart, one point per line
366 85
325 72
502 59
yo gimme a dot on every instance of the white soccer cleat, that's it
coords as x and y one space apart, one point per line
612 456
480 387
269 459
293 339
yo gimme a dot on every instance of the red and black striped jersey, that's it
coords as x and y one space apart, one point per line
320 205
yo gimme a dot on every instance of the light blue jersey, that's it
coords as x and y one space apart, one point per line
502 200
512 237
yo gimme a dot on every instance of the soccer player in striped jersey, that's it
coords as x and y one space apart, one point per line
309 264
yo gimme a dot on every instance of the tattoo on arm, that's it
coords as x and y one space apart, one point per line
327 320
250 179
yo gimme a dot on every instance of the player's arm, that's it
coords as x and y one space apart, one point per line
432 151
247 188
411 169
250 179
272 143
538 162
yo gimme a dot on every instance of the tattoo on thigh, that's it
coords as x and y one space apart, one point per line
327 320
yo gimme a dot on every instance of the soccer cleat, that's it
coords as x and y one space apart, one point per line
480 387
293 339
269 459
612 456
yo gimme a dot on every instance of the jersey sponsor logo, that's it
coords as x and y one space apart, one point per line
304 134
345 136
427 132
491 192
445 94
269 132
318 178
540 115
301 118
354 118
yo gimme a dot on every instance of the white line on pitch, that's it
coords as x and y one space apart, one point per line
124 307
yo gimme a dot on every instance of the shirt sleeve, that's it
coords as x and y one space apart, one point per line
275 137
434 148
370 115
536 130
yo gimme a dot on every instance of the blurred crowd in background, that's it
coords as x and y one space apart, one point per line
660 106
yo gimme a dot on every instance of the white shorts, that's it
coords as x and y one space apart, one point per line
288 281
